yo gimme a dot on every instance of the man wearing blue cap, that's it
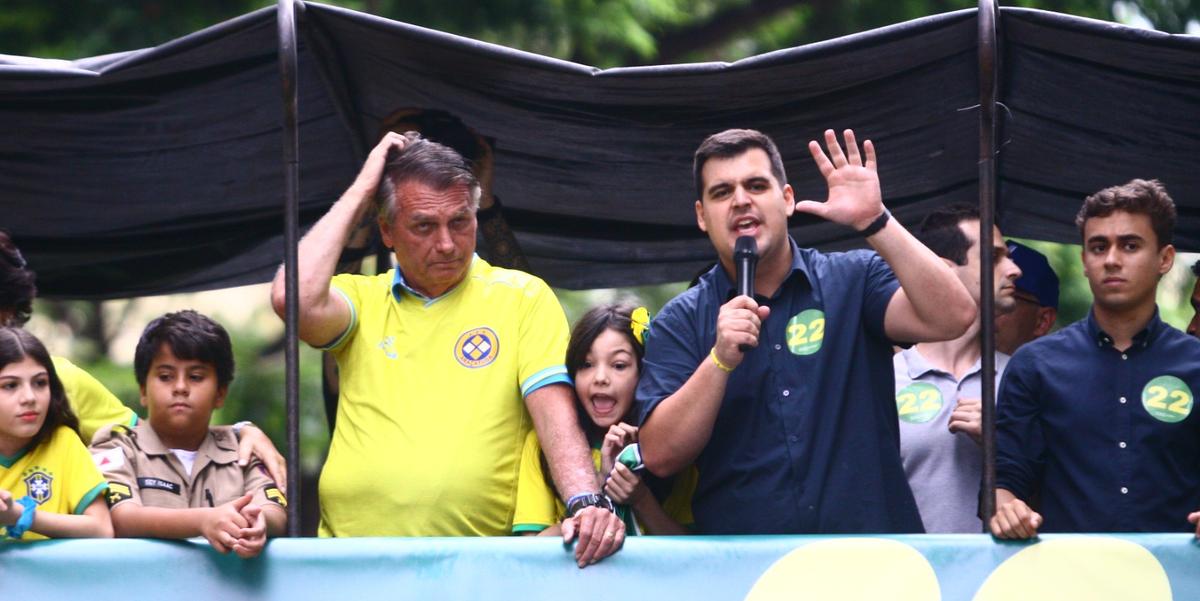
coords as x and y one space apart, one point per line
1037 301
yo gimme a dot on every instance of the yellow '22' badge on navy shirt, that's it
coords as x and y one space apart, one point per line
477 347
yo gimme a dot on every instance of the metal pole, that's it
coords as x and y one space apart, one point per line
988 84
286 18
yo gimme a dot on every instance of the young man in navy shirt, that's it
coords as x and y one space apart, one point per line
1097 421
799 433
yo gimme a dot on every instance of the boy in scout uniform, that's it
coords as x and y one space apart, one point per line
171 476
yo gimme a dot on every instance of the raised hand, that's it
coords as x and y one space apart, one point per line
618 437
372 170
854 199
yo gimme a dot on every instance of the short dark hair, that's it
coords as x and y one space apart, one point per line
189 335
940 232
1196 268
614 317
15 345
427 162
731 143
1139 196
17 282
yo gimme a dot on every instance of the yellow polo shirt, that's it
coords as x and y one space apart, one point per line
431 415
58 473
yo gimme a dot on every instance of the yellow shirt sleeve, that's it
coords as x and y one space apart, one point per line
537 507
95 406
346 285
543 339
83 481
678 503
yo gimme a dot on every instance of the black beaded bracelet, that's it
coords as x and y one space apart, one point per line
876 225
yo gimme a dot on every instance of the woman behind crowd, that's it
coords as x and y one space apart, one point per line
604 358
49 486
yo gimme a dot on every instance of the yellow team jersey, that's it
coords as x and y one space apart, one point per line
95 406
431 414
59 474
539 506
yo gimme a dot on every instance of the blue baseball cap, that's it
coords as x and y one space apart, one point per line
1037 277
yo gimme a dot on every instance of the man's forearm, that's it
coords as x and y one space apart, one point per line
553 410
938 300
682 423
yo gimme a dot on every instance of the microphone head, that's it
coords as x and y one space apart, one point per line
745 247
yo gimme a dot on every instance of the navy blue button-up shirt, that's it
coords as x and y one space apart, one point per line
1110 439
807 438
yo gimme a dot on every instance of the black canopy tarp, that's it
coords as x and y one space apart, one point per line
159 170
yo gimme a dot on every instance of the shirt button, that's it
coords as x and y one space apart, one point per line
787 393
1124 356
1122 400
1121 444
1124 490
777 347
793 438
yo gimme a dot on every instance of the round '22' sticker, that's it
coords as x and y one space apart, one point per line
805 331
1167 399
918 402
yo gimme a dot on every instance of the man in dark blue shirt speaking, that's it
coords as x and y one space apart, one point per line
798 434
1097 421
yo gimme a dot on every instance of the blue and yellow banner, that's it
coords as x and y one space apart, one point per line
1151 567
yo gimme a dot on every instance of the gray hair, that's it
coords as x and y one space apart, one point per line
427 162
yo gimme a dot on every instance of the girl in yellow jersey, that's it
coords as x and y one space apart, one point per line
604 358
49 486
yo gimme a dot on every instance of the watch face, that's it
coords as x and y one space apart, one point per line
579 502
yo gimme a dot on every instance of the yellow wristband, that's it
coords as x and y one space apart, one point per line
722 366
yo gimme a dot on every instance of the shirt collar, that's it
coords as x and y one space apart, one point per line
800 268
1140 340
219 445
918 365
400 286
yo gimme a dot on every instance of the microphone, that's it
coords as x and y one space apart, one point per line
745 259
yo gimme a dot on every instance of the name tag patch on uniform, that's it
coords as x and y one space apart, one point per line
477 347
1167 399
918 402
117 492
158 484
805 331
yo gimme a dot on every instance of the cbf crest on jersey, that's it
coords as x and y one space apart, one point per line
38 483
477 347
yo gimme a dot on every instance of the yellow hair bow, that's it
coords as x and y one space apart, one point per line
639 322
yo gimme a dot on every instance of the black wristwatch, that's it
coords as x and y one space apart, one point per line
578 502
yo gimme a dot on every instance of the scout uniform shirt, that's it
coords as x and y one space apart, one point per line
141 469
